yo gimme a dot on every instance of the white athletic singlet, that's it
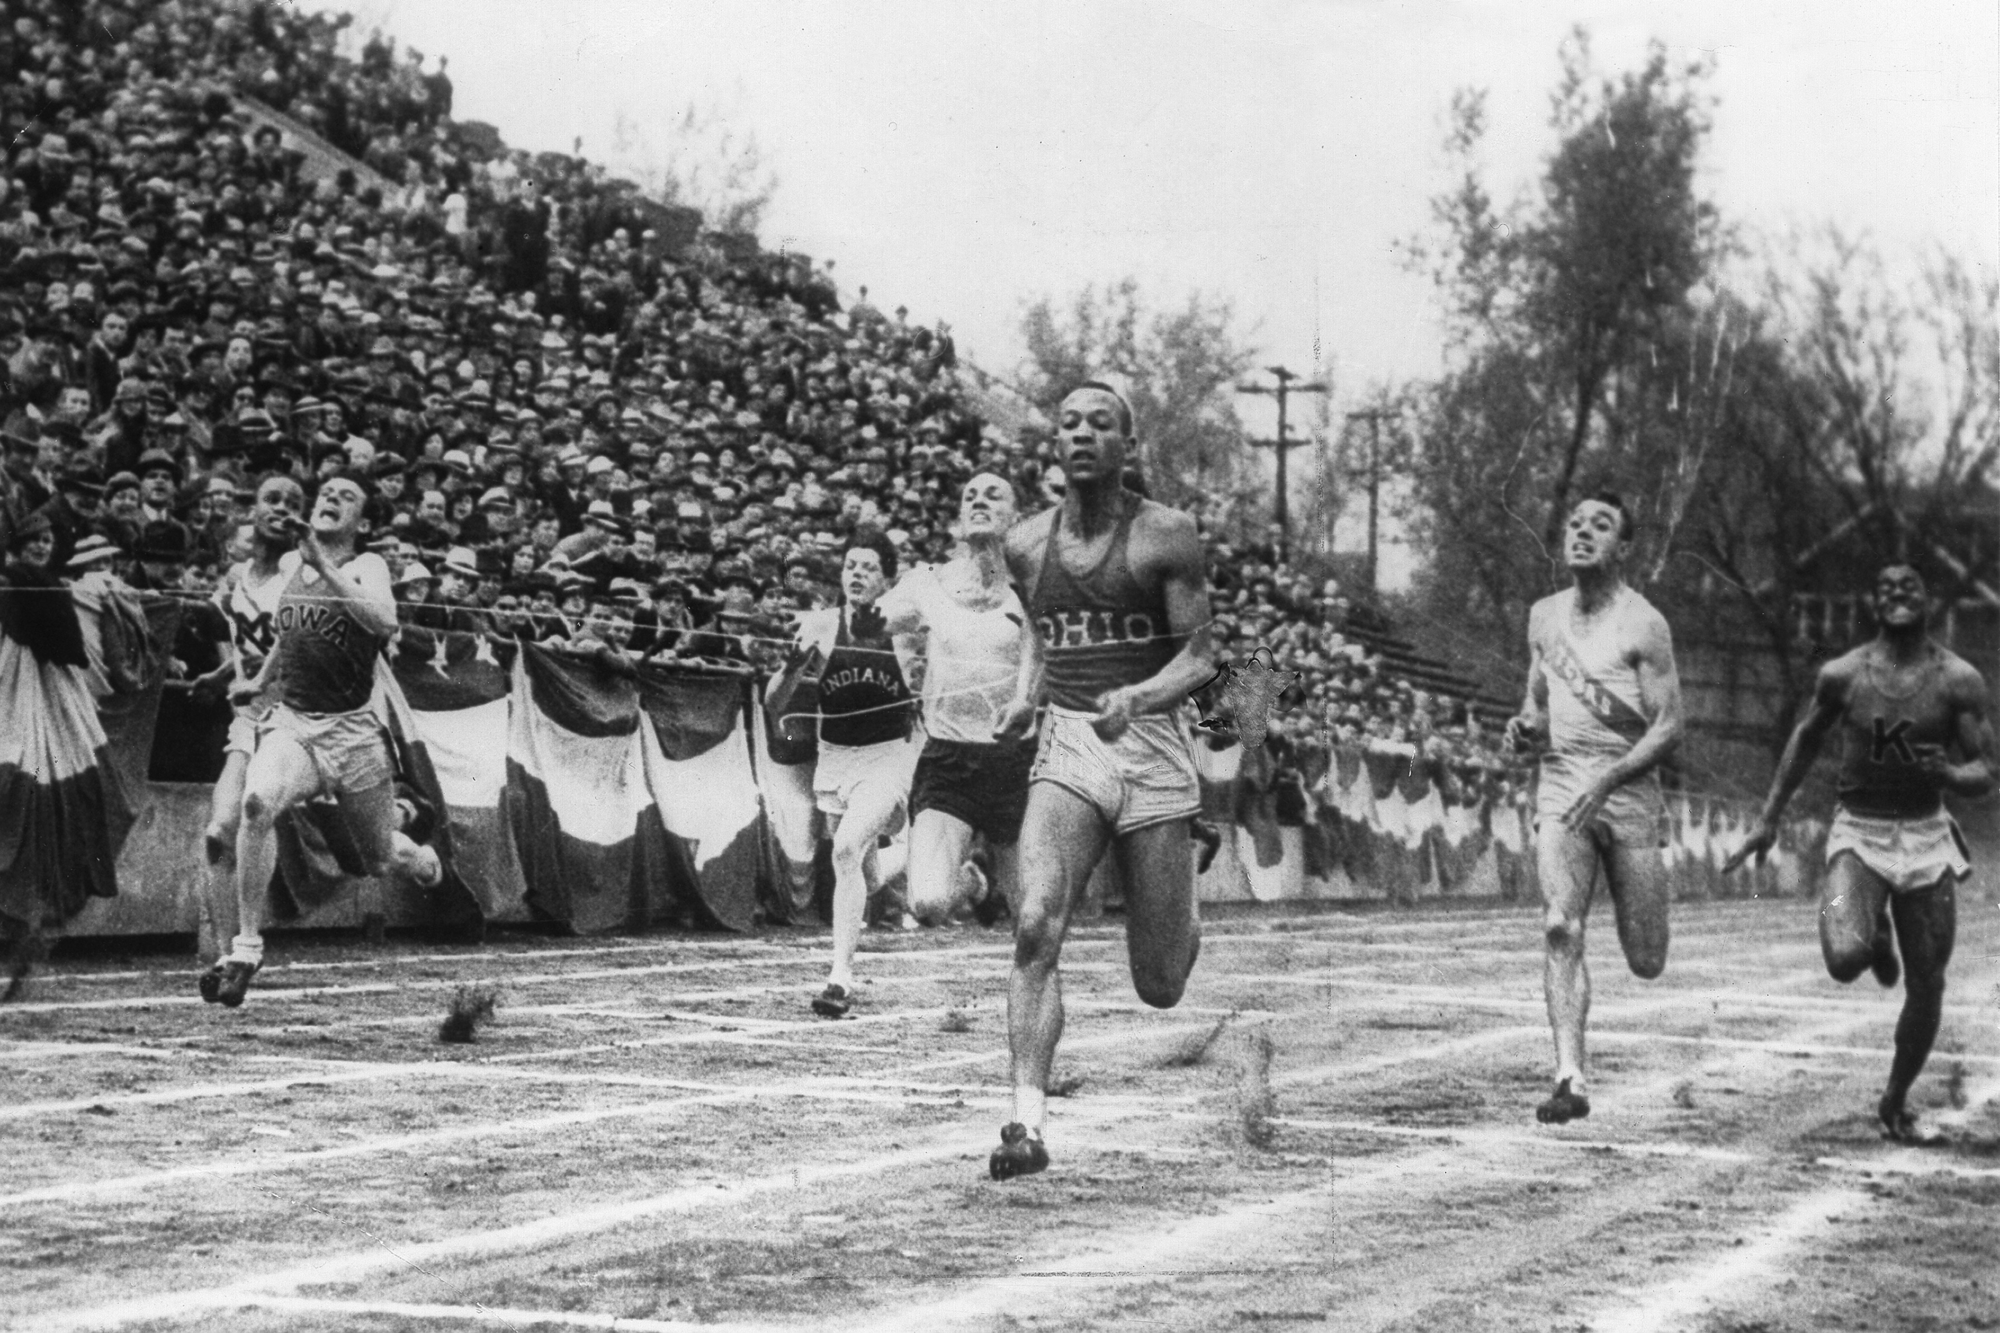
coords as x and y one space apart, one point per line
1594 702
973 657
252 609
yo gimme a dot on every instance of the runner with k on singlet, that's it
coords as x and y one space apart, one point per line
1901 703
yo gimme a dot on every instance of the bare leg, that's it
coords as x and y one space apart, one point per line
870 813
1062 840
1637 878
1567 861
938 844
219 849
1007 873
280 775
370 816
1926 926
1162 928
1852 906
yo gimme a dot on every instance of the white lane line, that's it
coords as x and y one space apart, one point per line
356 1266
813 949
1504 1138
710 1093
1679 1299
1799 1048
487 1314
314 994
1721 998
1909 1162
253 1162
1478 1041
1199 1248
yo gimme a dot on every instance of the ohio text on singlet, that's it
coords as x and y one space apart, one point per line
1100 630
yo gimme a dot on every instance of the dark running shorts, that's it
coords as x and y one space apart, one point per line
984 785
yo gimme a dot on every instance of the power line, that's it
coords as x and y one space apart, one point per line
1285 388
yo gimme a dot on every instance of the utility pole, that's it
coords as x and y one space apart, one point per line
1283 446
1374 416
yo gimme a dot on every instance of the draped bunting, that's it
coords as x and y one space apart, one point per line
600 799
66 782
1382 822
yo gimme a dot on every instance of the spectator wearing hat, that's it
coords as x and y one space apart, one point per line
161 552
101 357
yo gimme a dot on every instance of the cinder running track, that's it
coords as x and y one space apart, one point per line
1335 1128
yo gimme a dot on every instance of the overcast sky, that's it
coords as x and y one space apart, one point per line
961 158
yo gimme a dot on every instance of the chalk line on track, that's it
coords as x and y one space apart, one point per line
361 1264
1680 1297
709 1094
432 1315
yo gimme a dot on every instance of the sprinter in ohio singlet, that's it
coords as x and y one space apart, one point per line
1118 609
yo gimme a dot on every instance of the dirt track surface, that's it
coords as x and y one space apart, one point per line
1334 1129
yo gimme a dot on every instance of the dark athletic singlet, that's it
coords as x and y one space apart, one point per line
1099 630
1879 774
863 699
326 656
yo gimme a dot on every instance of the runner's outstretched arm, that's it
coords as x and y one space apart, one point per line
1801 751
1532 722
1660 696
1020 714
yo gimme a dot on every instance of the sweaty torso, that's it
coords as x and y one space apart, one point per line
1101 625
1891 713
972 652
1590 664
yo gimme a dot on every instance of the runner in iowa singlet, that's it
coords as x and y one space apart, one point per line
326 655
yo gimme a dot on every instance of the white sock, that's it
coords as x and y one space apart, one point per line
247 949
1031 1108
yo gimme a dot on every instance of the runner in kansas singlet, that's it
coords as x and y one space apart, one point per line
1101 630
1879 773
326 655
1595 708
863 699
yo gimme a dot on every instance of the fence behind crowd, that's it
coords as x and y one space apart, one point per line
599 796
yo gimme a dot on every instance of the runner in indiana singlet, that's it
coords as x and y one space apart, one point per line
326 656
1879 773
863 699
1101 629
